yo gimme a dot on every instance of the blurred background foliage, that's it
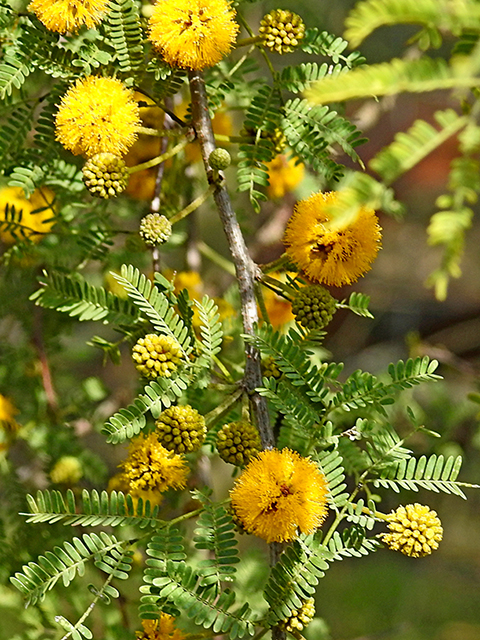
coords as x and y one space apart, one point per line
387 596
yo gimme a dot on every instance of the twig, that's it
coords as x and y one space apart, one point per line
244 265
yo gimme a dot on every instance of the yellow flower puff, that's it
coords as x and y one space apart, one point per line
97 115
193 34
68 15
33 217
284 175
280 494
151 467
8 411
415 529
119 482
333 257
162 629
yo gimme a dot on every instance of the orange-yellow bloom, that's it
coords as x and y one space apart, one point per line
335 257
284 175
162 629
97 115
68 15
279 495
33 217
193 34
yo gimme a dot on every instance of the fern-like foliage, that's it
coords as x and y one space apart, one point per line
14 131
155 306
294 577
179 583
331 463
298 78
125 35
210 328
215 532
158 395
358 303
331 46
263 115
97 509
442 15
311 132
67 562
392 78
73 295
411 147
435 473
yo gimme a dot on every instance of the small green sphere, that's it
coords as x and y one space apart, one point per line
219 159
313 307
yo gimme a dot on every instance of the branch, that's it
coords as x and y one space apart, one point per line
245 268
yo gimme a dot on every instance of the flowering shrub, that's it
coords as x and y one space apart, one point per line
220 414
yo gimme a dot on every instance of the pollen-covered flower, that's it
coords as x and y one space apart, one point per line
334 257
97 115
67 470
238 442
280 494
8 411
156 355
284 175
68 15
162 629
119 482
25 218
151 467
193 33
415 529
181 429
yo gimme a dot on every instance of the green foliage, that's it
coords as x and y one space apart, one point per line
67 562
112 509
125 35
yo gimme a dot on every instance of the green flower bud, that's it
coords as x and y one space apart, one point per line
155 229
238 442
156 355
219 159
313 307
181 429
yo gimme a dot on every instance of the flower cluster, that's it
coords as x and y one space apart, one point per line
68 15
162 629
97 115
105 175
25 218
300 617
156 355
335 257
193 34
155 229
284 174
416 530
313 307
238 442
67 470
280 494
281 30
151 467
181 429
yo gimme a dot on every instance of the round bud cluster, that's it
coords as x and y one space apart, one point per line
219 159
415 530
279 140
156 355
155 229
105 175
301 617
238 442
313 307
281 30
270 369
67 470
181 429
